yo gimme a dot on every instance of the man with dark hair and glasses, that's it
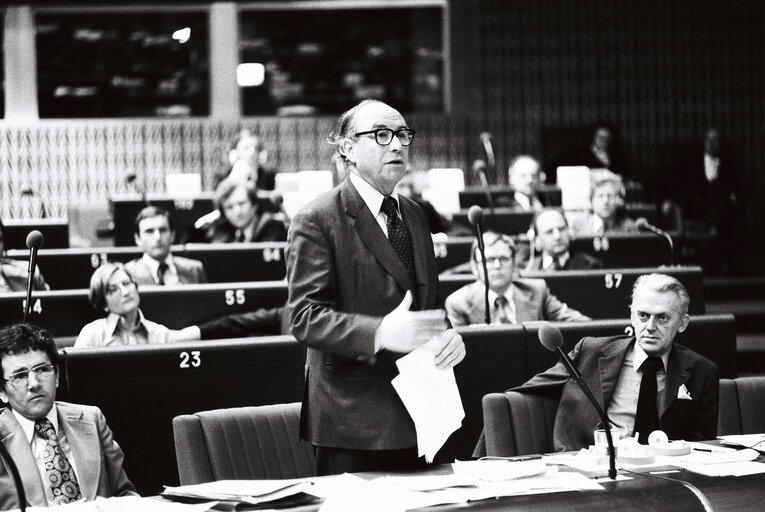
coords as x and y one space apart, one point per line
511 300
64 452
363 288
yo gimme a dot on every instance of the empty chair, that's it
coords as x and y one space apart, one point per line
729 420
242 443
751 400
518 423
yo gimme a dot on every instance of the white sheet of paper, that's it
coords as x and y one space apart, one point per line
756 441
432 399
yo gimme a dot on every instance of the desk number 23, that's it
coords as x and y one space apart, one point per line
189 359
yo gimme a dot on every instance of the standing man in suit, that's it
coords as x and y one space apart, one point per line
359 258
64 452
154 233
550 238
511 300
644 381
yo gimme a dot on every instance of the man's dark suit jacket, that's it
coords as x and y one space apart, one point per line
576 261
600 360
344 276
189 271
97 457
261 322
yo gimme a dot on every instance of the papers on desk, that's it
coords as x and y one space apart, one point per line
127 504
249 492
432 399
714 460
755 441
400 493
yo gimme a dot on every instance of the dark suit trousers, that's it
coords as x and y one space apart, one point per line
336 461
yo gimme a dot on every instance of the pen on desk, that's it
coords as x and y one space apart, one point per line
522 458
704 450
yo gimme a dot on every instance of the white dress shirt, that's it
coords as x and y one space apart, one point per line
373 198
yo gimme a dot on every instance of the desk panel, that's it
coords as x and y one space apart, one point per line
69 269
712 336
495 360
65 312
54 230
513 222
625 250
551 195
141 389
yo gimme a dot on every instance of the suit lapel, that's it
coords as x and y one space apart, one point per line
418 233
524 309
677 375
610 365
84 444
373 237
20 450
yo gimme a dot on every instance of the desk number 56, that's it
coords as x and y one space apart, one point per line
613 280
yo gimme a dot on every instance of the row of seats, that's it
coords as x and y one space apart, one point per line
183 378
596 293
66 269
522 423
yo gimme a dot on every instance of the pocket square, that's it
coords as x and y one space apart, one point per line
682 393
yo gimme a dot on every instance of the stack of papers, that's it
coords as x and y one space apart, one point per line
432 399
250 492
755 441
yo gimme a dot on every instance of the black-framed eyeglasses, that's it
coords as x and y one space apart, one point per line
20 379
384 136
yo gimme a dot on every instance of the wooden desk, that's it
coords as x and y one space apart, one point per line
54 230
511 221
141 389
70 269
65 312
597 293
502 195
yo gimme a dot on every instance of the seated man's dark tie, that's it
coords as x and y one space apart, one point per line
61 478
161 271
399 237
647 416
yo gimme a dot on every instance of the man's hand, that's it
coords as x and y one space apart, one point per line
402 330
448 349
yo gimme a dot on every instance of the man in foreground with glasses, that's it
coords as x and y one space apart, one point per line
64 452
359 258
511 300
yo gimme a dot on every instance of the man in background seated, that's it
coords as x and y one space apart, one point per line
154 233
511 300
14 273
524 176
550 240
64 452
248 159
644 381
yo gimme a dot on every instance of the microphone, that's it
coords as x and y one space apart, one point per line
552 339
487 147
132 179
479 168
35 241
277 199
475 216
642 223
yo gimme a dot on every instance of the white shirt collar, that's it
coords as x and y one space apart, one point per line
547 260
598 227
639 356
28 426
112 320
372 197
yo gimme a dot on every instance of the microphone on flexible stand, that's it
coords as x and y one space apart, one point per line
35 241
642 223
475 216
132 179
487 147
479 168
552 339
